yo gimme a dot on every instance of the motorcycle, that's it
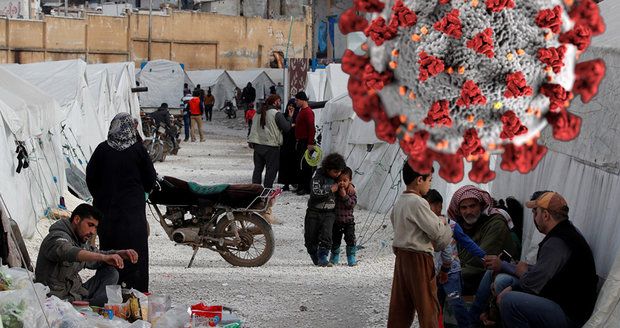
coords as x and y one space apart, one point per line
157 141
230 109
227 219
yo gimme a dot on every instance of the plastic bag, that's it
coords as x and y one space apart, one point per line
14 278
114 294
62 314
20 308
177 317
158 305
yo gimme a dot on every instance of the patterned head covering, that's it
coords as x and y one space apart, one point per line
123 133
486 203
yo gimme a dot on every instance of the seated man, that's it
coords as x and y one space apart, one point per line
560 289
65 251
472 209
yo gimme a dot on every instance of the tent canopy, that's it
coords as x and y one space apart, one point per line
221 84
315 85
165 81
28 116
259 79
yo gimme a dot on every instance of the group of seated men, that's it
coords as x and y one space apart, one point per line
559 290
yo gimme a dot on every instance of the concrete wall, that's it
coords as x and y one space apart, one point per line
198 40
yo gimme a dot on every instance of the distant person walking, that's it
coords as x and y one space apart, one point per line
209 103
195 111
248 95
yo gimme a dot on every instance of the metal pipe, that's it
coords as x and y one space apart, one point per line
286 63
150 27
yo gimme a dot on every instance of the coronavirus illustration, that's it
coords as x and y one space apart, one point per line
455 80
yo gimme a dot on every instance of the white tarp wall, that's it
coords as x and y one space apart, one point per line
259 79
277 75
336 81
221 84
165 80
100 88
315 85
65 81
121 78
29 116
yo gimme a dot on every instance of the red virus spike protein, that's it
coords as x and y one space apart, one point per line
589 75
499 5
482 43
580 36
586 12
439 114
551 19
471 144
457 80
369 6
350 22
429 66
553 57
403 15
512 126
558 96
451 24
471 95
516 86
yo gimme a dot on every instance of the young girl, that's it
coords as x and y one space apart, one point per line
346 199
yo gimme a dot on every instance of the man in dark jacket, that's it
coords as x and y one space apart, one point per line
162 116
65 251
560 289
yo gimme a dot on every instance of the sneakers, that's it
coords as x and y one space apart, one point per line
351 260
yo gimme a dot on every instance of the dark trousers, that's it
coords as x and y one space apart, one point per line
266 156
318 228
340 229
249 127
105 276
208 112
414 290
186 125
305 170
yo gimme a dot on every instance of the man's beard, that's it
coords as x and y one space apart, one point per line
471 220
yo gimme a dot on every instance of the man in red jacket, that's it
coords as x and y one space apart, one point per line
304 133
195 111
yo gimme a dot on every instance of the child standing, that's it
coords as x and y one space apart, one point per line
448 265
346 199
416 230
321 214
249 116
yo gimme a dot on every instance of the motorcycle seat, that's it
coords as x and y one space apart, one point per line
207 190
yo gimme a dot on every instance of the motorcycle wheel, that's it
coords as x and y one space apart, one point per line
256 244
154 149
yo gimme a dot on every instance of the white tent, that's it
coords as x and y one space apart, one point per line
29 117
120 78
336 81
315 85
275 74
221 84
259 79
101 89
81 130
165 80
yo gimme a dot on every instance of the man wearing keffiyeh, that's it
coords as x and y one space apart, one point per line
472 208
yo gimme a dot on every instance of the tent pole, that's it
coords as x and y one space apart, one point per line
150 27
286 63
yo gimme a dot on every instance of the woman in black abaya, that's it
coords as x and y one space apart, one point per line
118 175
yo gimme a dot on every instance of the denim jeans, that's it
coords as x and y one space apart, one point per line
451 291
483 295
520 309
186 124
